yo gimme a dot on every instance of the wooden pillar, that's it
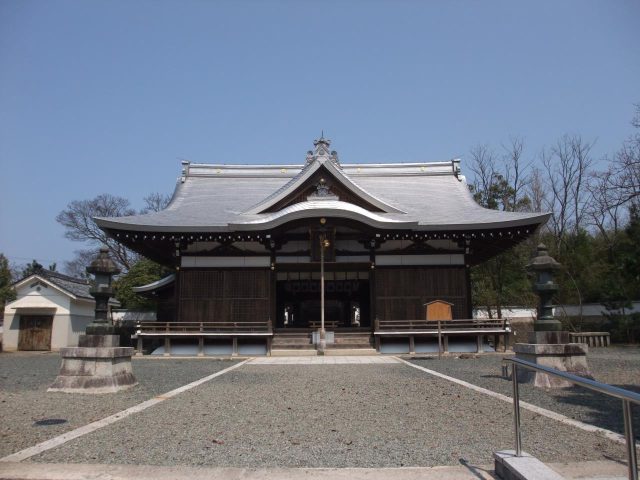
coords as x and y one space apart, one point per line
167 346
377 340
201 346
269 346
445 342
412 345
273 278
234 349
176 296
372 288
479 341
467 279
139 347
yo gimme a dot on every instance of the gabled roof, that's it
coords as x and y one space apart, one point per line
426 196
314 164
74 287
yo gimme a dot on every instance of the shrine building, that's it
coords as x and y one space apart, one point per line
247 244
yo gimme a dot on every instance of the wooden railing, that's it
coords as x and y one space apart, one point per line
472 324
199 331
202 327
443 329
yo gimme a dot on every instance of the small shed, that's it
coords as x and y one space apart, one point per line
51 311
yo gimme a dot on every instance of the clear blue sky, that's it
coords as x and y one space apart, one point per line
106 96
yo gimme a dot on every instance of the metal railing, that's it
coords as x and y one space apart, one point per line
626 396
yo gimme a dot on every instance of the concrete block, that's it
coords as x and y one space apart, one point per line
571 358
525 467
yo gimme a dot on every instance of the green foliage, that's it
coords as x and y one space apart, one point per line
630 251
624 328
141 273
32 268
500 196
502 281
7 293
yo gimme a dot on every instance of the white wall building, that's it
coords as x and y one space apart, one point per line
50 312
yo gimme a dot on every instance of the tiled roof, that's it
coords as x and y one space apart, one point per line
428 196
76 286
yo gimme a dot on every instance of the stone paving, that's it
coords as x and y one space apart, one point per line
324 360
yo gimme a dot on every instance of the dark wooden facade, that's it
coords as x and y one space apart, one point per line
401 293
232 295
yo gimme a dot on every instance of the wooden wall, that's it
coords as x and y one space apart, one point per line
402 292
224 295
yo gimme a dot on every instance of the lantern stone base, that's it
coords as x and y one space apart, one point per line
565 356
98 365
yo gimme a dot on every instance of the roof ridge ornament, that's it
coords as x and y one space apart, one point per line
322 192
322 152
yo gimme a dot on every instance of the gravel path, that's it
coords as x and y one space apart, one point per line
327 416
24 378
616 366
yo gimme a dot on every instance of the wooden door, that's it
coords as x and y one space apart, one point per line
35 332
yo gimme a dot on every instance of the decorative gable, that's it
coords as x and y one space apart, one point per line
321 178
322 184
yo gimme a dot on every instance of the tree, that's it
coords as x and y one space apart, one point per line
78 266
155 202
78 221
79 225
32 268
622 178
501 280
7 293
567 165
143 272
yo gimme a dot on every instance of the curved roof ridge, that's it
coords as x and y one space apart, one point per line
324 207
306 173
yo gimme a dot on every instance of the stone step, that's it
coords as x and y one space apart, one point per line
359 339
290 341
69 471
293 347
298 352
341 346
350 351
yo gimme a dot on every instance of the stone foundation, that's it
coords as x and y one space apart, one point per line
566 357
98 365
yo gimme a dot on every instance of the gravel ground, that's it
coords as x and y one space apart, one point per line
327 416
617 366
24 378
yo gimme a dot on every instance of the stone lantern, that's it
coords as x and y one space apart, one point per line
543 267
548 345
103 268
98 364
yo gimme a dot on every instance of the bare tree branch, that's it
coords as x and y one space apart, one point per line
78 221
567 166
155 202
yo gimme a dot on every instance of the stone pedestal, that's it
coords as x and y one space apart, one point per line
97 365
552 349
